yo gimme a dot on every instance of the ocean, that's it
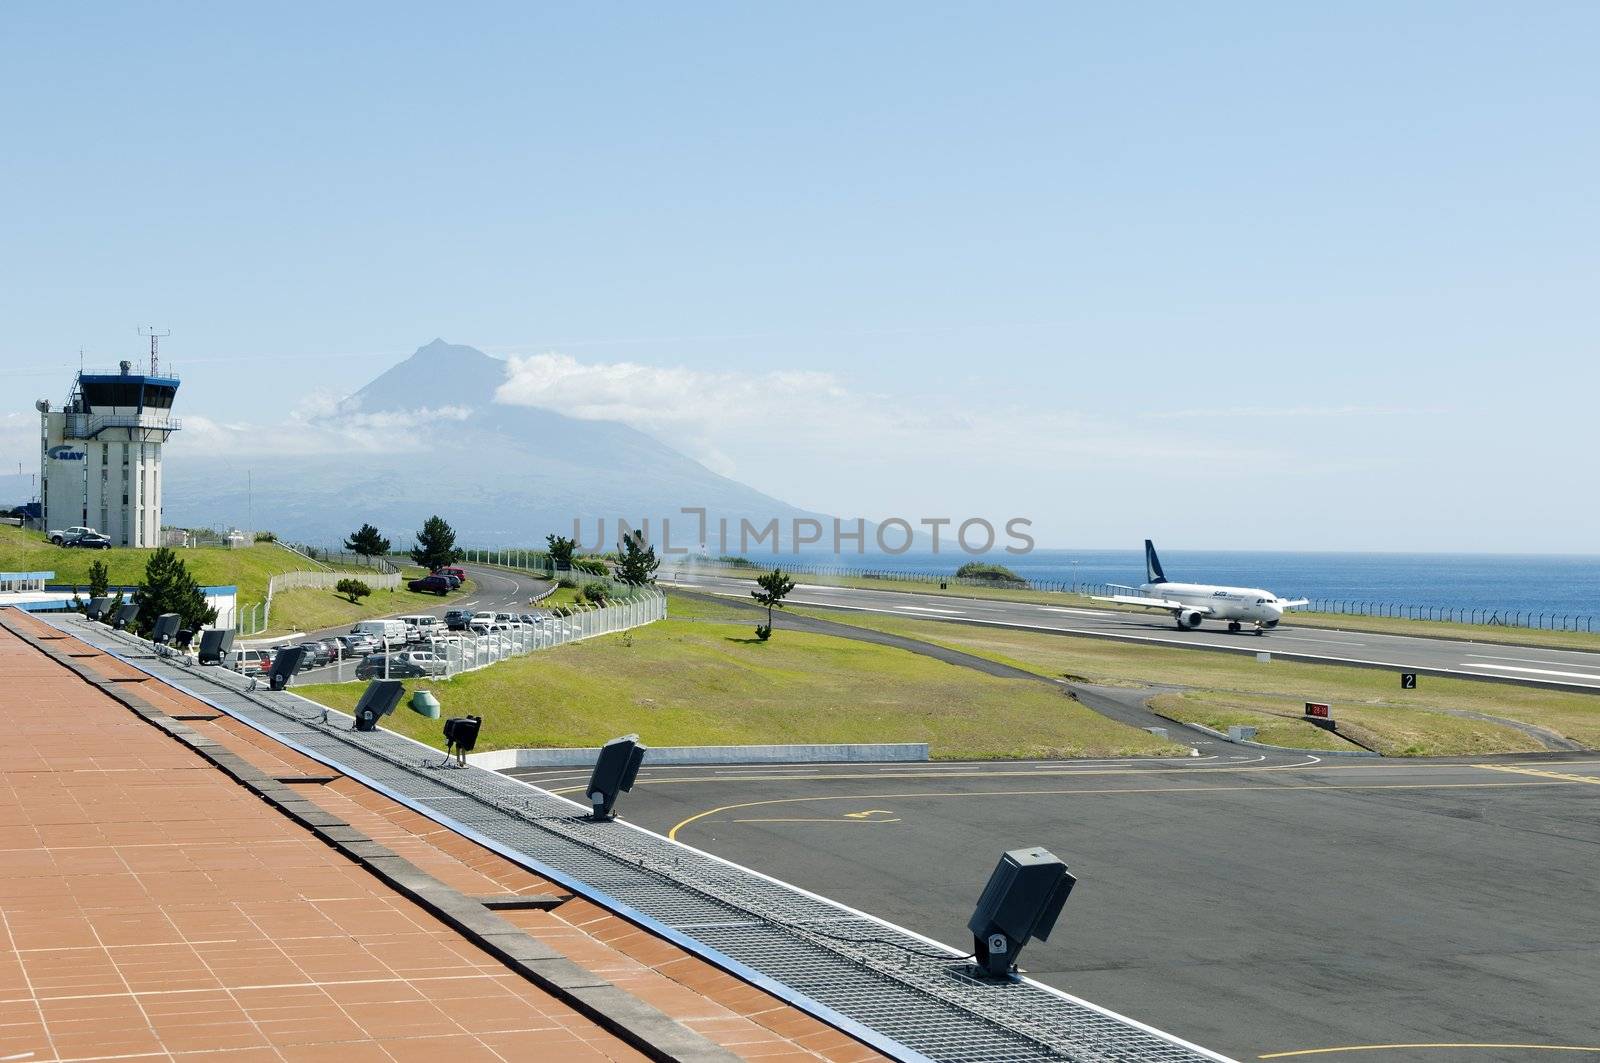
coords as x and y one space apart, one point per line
1534 582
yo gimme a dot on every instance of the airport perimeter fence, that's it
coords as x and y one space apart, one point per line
456 653
1525 618
331 555
256 617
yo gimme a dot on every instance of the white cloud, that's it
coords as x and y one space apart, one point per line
812 439
319 425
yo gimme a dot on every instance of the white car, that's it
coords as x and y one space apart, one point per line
62 538
428 661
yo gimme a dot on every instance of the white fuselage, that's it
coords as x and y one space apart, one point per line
1245 604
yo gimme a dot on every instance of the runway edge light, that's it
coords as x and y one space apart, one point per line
1022 901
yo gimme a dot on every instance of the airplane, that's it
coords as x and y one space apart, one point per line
1191 603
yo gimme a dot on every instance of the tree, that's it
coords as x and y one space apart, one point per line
352 589
99 579
367 542
560 549
167 587
636 562
775 587
436 545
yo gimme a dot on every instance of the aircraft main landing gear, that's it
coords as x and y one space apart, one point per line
1233 627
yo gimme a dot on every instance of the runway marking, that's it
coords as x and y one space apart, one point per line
1034 773
869 813
1401 1047
1329 642
1534 671
926 609
1526 660
1228 769
1540 773
672 835
817 819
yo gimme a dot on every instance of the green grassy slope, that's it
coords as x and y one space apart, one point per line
692 682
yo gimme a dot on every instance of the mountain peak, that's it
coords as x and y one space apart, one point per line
437 374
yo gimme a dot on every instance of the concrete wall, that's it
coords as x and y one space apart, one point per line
669 756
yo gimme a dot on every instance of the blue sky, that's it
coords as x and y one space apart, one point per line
1257 276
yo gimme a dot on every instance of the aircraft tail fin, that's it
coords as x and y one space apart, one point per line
1152 564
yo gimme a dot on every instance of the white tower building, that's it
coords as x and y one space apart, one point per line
100 454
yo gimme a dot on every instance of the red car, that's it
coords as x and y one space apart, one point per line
452 570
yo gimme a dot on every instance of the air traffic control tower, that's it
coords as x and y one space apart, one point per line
100 454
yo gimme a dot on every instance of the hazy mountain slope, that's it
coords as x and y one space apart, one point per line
501 474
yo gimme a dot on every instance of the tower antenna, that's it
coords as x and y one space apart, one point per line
155 338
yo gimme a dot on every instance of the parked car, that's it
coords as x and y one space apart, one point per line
452 570
431 663
430 585
334 647
317 652
358 645
373 666
89 541
308 660
455 581
457 619
61 536
251 662
393 631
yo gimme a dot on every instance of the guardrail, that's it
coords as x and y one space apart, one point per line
456 653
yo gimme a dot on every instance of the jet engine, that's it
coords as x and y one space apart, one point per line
1189 618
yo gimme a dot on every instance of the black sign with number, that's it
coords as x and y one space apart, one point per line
1408 680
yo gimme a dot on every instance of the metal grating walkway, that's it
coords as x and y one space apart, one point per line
903 994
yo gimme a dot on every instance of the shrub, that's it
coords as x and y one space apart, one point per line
984 570
592 565
352 589
596 593
266 537
566 583
763 632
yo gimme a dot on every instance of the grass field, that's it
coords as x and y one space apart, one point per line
248 568
699 681
311 609
1394 721
1514 636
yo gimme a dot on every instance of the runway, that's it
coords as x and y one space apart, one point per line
1559 669
1264 905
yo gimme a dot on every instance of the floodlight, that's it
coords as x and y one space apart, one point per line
166 628
1022 901
285 663
377 701
614 772
215 645
127 614
96 609
460 736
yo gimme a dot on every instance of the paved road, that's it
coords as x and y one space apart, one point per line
1256 904
496 590
1564 669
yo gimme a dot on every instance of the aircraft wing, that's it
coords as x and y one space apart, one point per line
1166 604
1296 603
